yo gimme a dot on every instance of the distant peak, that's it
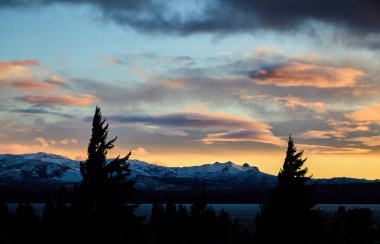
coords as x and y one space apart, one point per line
44 155
228 163
246 165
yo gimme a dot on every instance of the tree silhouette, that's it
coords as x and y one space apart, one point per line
352 226
6 223
170 210
288 215
104 184
158 213
27 223
100 201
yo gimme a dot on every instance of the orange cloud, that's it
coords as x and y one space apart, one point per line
318 149
29 84
22 149
28 62
40 145
217 126
174 84
14 70
39 87
67 141
62 99
42 142
319 134
371 141
298 74
54 80
140 151
339 129
258 135
4 65
250 97
337 132
369 114
293 102
266 50
19 74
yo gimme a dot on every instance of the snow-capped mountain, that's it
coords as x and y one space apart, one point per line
49 170
39 168
42 169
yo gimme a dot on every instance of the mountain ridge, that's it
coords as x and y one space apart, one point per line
51 170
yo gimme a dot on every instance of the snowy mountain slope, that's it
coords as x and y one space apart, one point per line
39 167
42 169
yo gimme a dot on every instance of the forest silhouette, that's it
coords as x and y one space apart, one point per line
99 210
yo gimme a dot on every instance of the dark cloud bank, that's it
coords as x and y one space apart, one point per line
226 16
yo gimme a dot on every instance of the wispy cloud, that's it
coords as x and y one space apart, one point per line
371 141
110 60
296 102
140 151
339 130
16 70
44 143
367 114
262 136
30 84
318 149
233 127
38 111
38 86
299 74
62 99
20 74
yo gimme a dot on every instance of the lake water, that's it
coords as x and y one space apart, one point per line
246 213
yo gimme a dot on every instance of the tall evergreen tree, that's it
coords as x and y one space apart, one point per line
158 214
170 210
104 184
100 202
288 215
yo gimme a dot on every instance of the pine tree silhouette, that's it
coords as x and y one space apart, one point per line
5 223
100 201
288 215
352 226
104 185
157 215
199 206
170 210
27 223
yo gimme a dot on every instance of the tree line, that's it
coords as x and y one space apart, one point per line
99 210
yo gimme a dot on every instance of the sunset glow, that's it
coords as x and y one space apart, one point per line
181 86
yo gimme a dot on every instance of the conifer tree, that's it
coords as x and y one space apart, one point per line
104 184
288 215
158 213
100 202
170 210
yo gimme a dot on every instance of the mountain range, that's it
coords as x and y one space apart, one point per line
43 170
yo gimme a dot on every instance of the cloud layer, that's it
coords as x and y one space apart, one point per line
298 74
234 128
38 86
61 99
356 18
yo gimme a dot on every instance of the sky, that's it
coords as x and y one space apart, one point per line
193 82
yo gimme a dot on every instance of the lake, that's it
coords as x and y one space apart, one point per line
246 213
